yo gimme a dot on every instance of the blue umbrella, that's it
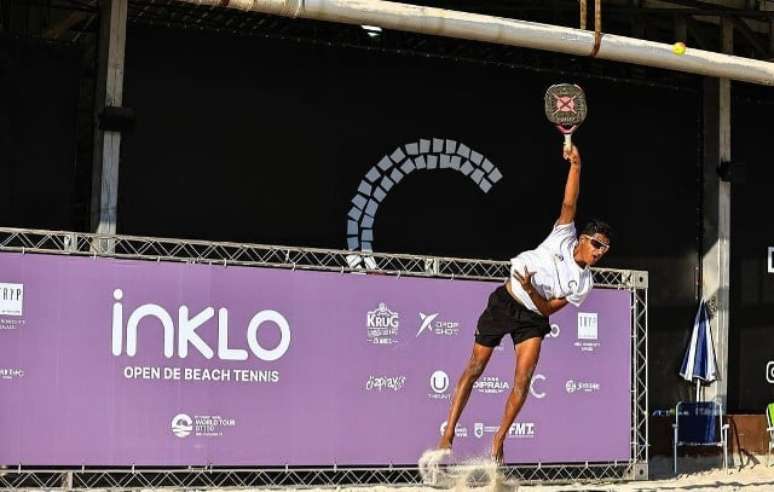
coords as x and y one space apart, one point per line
699 360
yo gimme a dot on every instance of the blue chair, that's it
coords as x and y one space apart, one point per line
700 424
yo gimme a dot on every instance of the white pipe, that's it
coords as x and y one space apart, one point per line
486 28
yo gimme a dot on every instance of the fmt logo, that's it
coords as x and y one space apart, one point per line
11 299
186 331
430 325
182 425
522 430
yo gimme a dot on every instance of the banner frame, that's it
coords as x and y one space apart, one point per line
37 241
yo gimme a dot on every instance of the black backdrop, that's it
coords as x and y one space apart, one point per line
266 141
38 109
751 340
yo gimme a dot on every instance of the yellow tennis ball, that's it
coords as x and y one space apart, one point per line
678 48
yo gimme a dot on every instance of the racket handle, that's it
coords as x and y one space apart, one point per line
568 142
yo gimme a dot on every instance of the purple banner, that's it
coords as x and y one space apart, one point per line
118 362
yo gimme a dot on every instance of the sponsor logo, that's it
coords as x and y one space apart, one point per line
587 326
429 324
522 430
382 325
186 332
771 259
379 383
8 324
183 425
533 391
517 430
555 330
479 429
582 386
588 332
439 383
11 299
491 385
770 371
11 373
459 431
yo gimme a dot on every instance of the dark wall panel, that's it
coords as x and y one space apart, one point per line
267 141
38 104
751 328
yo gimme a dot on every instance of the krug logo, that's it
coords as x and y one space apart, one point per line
382 317
186 332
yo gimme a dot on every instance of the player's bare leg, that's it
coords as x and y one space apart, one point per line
475 367
527 354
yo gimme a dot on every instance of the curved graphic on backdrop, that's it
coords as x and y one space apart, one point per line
424 155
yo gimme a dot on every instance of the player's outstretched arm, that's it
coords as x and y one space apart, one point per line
572 188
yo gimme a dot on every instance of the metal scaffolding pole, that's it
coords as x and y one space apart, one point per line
487 28
107 144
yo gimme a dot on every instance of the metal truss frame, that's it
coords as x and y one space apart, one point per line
254 255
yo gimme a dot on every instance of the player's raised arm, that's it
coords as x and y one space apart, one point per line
572 188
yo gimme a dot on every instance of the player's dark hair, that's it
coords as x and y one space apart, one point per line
596 226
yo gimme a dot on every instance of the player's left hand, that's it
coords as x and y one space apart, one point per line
525 280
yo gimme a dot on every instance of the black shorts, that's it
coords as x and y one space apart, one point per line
504 315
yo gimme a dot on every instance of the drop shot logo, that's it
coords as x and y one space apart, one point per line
186 332
430 324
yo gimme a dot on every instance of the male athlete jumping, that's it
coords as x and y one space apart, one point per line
542 282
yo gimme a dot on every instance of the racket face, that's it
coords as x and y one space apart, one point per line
565 105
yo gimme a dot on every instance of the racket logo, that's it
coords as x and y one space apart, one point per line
564 104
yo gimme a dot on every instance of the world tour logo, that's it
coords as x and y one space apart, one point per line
187 337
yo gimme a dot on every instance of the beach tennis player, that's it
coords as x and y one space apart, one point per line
542 281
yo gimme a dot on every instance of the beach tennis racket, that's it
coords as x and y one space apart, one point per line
566 108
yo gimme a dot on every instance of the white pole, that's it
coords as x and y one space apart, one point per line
487 28
697 389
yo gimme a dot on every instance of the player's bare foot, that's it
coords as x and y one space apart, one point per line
497 452
445 443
